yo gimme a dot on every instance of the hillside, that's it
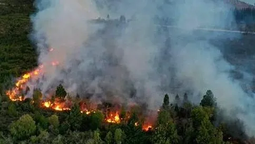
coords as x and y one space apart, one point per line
16 52
239 4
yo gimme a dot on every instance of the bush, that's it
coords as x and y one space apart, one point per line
53 120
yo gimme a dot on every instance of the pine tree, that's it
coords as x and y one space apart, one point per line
37 97
166 102
61 92
185 98
177 100
75 117
208 100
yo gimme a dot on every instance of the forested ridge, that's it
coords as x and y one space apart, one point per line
177 122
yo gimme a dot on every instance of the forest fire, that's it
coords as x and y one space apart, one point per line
19 91
112 117
15 94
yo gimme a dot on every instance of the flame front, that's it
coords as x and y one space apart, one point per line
20 86
57 105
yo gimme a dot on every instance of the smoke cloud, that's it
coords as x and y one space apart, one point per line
137 58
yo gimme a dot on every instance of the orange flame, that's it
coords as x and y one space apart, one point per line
26 76
147 127
20 85
113 118
87 112
47 104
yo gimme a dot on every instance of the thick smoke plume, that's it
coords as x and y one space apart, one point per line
138 58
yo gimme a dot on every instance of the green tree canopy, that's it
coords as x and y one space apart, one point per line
109 137
23 128
41 121
12 110
166 134
208 100
43 137
118 136
208 134
95 120
53 120
198 115
75 117
64 127
96 137
163 117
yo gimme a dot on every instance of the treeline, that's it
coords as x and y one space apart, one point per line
179 122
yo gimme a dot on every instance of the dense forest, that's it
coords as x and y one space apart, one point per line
179 122
16 53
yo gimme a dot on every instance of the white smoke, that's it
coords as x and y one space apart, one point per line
63 26
201 66
138 58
